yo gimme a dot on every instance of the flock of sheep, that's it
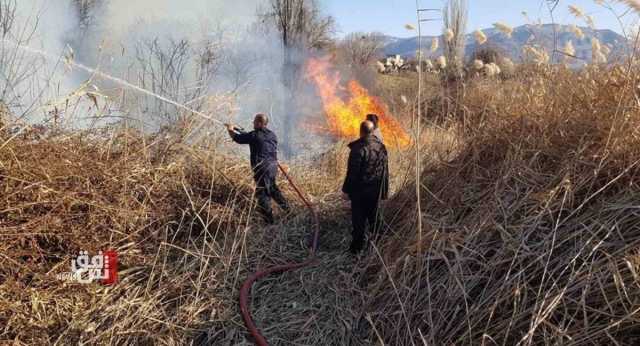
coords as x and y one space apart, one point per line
396 64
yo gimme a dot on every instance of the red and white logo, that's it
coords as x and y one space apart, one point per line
85 269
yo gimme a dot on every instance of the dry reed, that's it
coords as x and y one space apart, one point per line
533 233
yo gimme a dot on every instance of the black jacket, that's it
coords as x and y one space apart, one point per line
368 169
263 146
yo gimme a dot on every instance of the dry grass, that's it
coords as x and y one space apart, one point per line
532 229
530 207
177 216
181 219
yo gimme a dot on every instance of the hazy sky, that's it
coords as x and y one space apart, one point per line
390 16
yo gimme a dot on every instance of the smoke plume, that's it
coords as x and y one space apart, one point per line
186 51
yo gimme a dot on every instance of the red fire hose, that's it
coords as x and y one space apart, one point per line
246 286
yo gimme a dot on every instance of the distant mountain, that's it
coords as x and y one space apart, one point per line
540 35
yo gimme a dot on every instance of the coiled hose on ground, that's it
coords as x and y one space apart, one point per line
245 290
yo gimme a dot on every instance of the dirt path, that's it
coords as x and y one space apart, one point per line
316 305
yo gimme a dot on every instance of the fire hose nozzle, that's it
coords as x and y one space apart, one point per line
235 128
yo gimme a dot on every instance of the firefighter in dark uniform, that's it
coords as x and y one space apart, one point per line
263 146
366 183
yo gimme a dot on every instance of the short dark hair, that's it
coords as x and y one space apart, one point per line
367 127
263 118
373 118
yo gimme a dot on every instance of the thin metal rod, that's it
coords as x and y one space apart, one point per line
418 124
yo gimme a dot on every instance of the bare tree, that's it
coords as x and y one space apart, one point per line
360 49
239 66
86 12
7 15
22 74
301 26
455 22
300 23
177 70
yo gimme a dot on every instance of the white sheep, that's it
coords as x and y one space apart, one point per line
491 69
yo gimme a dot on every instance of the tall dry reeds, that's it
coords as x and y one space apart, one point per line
533 233
176 215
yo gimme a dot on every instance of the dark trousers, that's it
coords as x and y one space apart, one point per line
266 189
364 210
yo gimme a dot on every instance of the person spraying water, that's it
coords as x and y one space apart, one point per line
263 146
248 283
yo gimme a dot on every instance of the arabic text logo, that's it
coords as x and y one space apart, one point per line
85 269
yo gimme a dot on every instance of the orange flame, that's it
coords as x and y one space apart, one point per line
344 116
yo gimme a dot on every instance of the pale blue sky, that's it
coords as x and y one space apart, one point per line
390 16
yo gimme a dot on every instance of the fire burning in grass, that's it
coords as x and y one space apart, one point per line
344 114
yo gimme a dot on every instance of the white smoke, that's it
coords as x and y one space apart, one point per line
120 39
30 82
134 39
120 15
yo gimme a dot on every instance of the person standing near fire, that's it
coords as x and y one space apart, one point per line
366 183
263 148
